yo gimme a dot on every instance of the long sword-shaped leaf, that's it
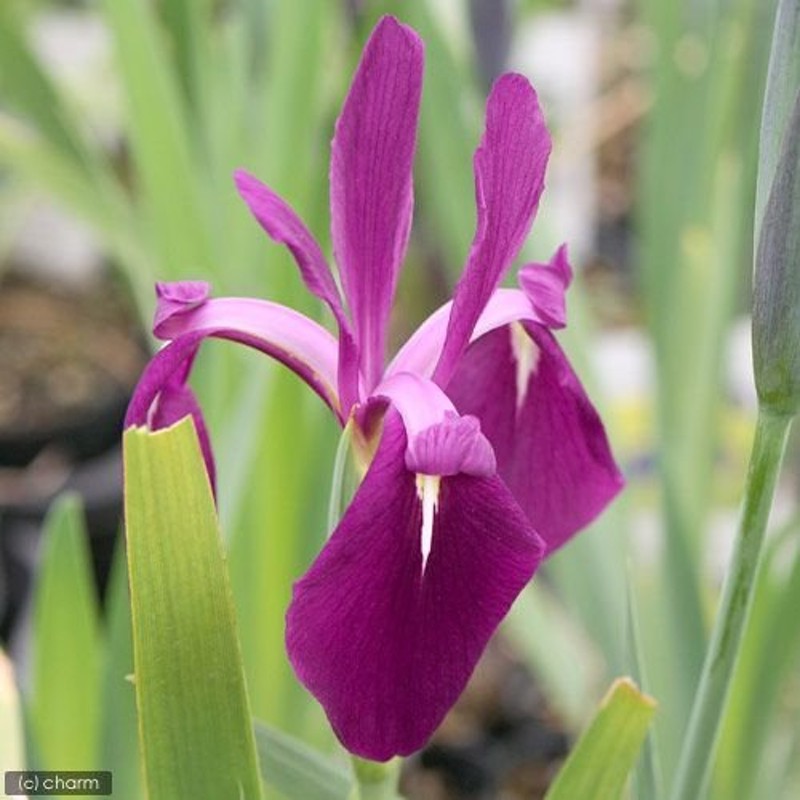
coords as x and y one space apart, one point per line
119 744
769 649
29 89
647 777
53 148
64 705
38 161
297 771
690 257
189 24
194 716
162 141
604 756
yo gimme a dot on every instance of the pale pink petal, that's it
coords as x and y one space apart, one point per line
287 335
440 441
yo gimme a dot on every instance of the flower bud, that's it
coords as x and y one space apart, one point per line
776 290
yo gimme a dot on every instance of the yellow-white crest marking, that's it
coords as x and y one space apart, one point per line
428 494
526 355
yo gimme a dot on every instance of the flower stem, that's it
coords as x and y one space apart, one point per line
765 462
337 500
376 781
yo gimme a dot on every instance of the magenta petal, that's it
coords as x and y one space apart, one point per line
440 442
284 226
280 332
456 444
509 178
545 286
371 190
168 368
178 297
550 444
386 648
421 352
176 400
162 398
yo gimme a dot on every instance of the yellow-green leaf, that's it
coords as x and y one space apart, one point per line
194 716
297 771
65 705
604 756
119 742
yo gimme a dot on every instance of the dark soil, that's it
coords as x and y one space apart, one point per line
68 361
501 740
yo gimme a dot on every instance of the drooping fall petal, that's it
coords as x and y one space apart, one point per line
176 400
371 190
510 165
550 444
162 396
384 645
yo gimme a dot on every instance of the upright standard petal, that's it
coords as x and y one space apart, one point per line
550 444
283 225
509 178
371 189
384 645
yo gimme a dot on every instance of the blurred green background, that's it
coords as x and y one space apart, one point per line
121 122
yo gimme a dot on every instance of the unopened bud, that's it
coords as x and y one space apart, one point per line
776 290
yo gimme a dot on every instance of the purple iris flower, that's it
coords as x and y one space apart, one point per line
482 453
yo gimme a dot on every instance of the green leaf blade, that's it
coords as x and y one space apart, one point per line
30 90
194 716
297 771
64 706
163 146
604 756
119 739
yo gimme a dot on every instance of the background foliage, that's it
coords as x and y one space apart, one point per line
204 87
